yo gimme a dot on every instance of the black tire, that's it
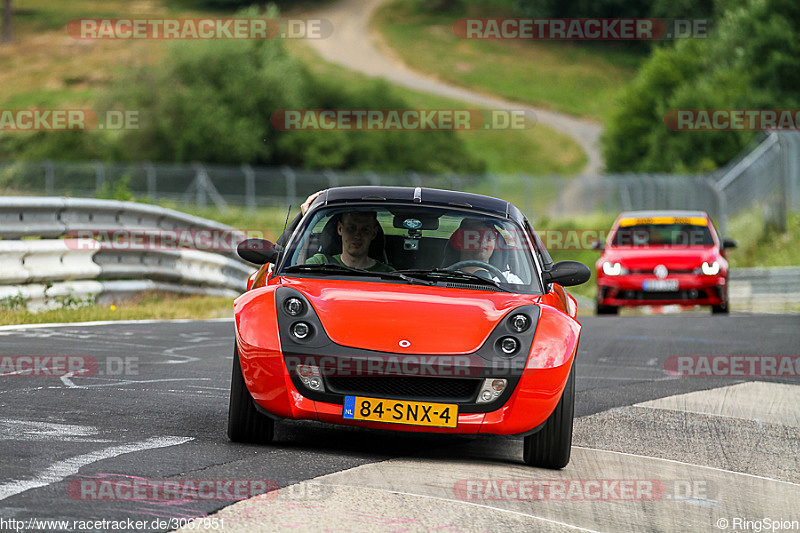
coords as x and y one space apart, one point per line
719 309
245 423
607 310
550 446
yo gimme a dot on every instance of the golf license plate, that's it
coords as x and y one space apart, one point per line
660 285
401 412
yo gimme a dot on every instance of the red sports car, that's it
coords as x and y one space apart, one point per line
409 309
662 258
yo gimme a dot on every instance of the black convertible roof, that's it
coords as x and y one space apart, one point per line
418 196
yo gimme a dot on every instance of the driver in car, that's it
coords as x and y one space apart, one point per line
476 241
358 229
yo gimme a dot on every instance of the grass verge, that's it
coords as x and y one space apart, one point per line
762 246
536 151
145 306
574 78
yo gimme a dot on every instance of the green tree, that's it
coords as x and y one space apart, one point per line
751 60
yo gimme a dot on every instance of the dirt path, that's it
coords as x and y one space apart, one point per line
353 46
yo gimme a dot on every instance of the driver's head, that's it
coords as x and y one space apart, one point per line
475 239
358 229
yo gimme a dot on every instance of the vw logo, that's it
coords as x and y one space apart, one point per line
661 271
404 343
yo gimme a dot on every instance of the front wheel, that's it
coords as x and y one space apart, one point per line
550 446
245 423
719 309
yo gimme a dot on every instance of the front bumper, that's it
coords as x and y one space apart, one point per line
693 289
533 398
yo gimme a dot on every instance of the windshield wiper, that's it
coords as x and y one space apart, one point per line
457 275
334 267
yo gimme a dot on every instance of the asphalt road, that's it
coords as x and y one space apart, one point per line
164 417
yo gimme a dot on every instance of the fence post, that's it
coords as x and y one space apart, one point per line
722 206
150 170
794 171
333 179
528 195
249 188
49 178
291 184
99 177
455 182
784 185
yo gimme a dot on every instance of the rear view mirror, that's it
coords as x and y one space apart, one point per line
258 251
567 273
727 244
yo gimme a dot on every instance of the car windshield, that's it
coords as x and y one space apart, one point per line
418 243
663 235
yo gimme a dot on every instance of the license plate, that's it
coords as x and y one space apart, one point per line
401 412
660 285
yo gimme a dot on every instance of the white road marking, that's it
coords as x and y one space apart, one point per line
132 382
65 379
60 470
688 464
509 511
11 429
15 327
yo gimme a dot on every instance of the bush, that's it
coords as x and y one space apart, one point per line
211 101
751 60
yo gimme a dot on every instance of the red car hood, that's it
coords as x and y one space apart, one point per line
377 316
647 258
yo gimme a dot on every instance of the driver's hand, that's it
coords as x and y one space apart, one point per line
305 205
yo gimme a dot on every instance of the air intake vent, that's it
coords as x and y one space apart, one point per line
468 286
407 388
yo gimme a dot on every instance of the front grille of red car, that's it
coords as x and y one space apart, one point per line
664 295
650 271
407 387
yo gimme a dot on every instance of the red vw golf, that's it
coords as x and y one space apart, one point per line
661 258
409 309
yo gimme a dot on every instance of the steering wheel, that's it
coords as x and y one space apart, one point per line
486 266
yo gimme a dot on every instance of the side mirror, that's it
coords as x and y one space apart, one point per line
727 244
567 273
258 251
597 244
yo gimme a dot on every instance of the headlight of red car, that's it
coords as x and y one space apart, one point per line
614 269
708 269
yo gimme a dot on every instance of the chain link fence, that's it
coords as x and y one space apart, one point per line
765 177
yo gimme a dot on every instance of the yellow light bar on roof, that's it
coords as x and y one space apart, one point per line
636 221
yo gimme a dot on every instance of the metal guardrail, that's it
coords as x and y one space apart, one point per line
768 289
45 271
